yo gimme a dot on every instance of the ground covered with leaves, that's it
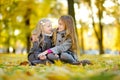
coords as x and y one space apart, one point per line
105 67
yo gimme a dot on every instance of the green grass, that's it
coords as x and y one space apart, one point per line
105 67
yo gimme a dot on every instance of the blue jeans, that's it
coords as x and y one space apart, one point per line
64 57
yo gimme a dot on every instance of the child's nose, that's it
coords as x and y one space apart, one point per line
52 29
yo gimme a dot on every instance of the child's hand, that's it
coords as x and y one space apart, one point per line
43 53
56 55
43 57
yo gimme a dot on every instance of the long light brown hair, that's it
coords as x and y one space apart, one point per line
70 31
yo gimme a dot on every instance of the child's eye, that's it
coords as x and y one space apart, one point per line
49 26
60 24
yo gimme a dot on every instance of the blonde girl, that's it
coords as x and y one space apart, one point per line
41 40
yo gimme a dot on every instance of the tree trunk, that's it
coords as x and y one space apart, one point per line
71 10
99 35
28 43
100 10
27 23
8 39
82 40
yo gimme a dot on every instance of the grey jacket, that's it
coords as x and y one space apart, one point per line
37 48
61 44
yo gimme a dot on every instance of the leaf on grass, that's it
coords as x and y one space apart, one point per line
28 73
115 68
24 63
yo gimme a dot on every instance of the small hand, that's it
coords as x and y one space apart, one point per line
43 53
43 57
56 55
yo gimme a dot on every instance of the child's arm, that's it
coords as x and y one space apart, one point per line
66 45
35 44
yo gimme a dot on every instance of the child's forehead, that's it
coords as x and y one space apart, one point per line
47 23
60 21
43 23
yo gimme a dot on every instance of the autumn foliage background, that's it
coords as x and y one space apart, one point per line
98 33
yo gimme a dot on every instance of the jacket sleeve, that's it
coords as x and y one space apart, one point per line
66 45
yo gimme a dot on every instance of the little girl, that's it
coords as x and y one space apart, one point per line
65 43
41 40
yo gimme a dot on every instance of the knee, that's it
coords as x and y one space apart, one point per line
31 57
67 58
52 57
63 56
49 56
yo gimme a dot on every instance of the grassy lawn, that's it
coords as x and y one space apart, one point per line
105 67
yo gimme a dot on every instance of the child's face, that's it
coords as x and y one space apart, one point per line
61 26
47 29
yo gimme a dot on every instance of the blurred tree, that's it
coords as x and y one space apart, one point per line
71 8
19 18
56 9
6 11
100 7
99 33
82 38
27 23
71 12
115 13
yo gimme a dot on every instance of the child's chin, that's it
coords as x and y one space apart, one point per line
59 30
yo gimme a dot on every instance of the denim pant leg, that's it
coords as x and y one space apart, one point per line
40 62
52 57
31 57
66 57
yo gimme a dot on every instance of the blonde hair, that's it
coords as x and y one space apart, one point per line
70 31
37 32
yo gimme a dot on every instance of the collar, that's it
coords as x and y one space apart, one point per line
48 34
62 32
